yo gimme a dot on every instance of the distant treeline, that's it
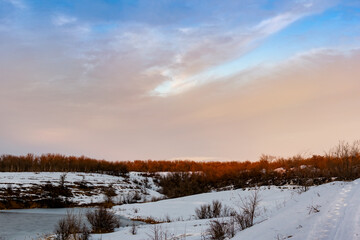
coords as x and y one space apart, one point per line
340 163
190 177
59 163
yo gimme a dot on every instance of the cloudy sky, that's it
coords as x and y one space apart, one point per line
166 79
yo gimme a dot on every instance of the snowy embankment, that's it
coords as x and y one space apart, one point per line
329 211
86 187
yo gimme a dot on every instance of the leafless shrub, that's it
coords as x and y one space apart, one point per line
248 207
133 229
301 189
220 229
62 180
202 212
216 208
345 149
167 218
217 230
313 209
230 230
102 220
243 220
71 228
346 154
213 210
157 233
227 211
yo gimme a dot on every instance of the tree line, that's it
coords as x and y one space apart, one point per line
60 163
189 177
340 163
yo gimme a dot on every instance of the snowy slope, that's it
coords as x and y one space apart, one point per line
181 211
339 205
285 214
124 187
184 208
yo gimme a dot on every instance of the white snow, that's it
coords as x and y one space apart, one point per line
123 186
285 214
184 208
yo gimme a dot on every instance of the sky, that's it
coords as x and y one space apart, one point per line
171 79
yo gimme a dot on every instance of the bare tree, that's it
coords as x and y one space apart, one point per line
346 153
250 204
248 210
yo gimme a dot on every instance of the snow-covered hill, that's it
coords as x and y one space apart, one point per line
329 211
86 187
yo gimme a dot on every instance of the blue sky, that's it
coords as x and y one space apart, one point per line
76 73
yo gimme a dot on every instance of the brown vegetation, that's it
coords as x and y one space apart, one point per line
191 177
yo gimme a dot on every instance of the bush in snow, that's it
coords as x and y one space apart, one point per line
220 230
157 233
71 228
248 210
133 229
213 210
102 220
217 230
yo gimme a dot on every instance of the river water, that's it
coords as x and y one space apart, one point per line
29 224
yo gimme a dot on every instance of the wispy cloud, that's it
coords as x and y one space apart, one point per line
277 23
17 3
61 20
191 67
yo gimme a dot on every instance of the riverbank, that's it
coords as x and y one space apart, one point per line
20 190
31 223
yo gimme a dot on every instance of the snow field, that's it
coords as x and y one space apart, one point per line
327 212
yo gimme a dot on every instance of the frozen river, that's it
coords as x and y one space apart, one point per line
31 223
